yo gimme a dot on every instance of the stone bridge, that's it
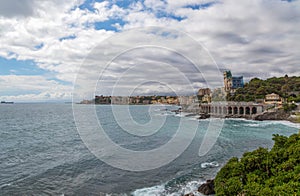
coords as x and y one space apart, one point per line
232 108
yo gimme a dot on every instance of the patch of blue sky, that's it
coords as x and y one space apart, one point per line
89 5
109 25
125 4
67 37
200 6
162 14
19 67
39 46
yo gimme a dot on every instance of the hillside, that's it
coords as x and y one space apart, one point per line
257 89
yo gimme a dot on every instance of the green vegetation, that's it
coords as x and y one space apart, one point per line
257 89
297 119
289 107
263 172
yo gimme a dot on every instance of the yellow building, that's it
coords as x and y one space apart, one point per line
206 99
273 99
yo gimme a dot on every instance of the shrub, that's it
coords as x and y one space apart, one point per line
263 172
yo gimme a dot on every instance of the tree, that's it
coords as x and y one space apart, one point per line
263 172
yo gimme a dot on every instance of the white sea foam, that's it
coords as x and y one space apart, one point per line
254 123
209 164
150 191
189 187
5 185
181 114
283 122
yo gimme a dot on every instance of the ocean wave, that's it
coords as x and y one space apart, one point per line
254 123
150 191
283 122
189 187
209 164
5 185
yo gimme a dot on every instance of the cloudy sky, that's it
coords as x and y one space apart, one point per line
49 46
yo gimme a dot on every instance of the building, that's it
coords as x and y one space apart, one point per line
119 100
231 83
204 95
206 99
273 99
204 91
237 82
218 94
187 100
102 99
227 81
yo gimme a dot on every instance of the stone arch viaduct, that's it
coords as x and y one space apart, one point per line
232 108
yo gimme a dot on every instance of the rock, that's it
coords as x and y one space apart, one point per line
189 194
207 188
204 116
277 115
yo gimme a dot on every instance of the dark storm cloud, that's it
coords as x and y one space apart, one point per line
16 8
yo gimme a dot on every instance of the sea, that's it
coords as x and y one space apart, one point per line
43 153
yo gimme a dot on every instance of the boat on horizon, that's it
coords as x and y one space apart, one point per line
7 102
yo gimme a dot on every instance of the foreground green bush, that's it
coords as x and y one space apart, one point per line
263 172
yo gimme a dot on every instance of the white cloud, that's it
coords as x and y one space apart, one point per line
16 88
249 37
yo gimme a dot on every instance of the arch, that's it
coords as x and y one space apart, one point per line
209 109
254 110
229 110
247 111
241 110
220 110
235 110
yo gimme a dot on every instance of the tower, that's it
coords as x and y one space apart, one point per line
227 81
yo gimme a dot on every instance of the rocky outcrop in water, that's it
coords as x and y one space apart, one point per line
275 115
207 188
204 116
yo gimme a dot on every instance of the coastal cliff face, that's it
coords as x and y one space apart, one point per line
276 115
268 115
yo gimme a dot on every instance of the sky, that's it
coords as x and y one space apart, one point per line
51 48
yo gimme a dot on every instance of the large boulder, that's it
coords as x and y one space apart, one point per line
207 188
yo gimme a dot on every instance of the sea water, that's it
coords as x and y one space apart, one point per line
42 153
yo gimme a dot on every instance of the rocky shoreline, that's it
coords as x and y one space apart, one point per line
267 115
208 188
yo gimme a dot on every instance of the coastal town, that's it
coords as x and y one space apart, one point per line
227 101
266 103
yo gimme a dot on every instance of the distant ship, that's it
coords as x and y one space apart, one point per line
7 102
